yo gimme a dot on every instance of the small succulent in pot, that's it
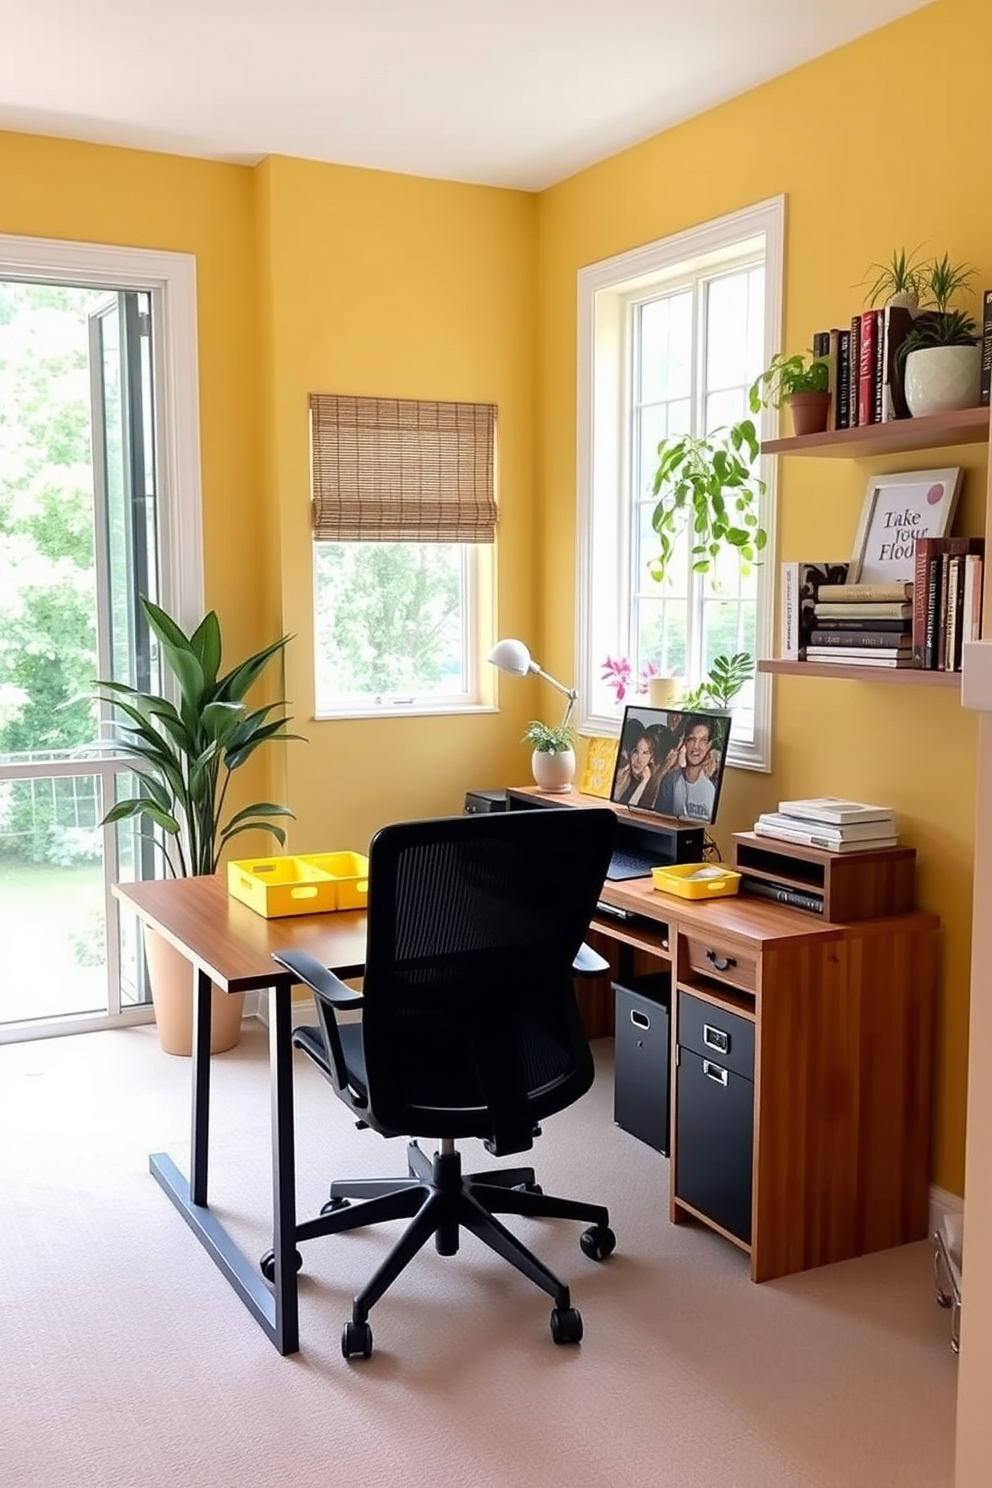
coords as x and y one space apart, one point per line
549 738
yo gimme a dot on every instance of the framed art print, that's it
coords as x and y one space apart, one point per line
897 510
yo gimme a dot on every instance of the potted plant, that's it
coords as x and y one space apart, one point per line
940 358
803 382
184 754
726 677
553 759
707 487
898 282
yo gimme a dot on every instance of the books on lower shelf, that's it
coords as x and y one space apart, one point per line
825 834
801 581
817 838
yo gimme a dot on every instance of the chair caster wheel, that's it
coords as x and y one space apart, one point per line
598 1242
356 1341
267 1264
566 1325
333 1205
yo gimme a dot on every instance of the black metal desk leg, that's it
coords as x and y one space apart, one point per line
287 1309
202 999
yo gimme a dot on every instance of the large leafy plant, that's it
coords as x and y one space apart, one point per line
184 754
708 488
727 676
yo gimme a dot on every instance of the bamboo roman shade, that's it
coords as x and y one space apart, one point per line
402 470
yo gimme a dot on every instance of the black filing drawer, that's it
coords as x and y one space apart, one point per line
714 1114
641 1026
717 1034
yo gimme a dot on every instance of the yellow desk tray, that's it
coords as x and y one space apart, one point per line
697 880
306 884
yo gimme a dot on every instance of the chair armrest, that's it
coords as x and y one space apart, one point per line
314 973
589 962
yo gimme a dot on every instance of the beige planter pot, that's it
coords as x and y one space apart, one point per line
553 772
171 978
939 379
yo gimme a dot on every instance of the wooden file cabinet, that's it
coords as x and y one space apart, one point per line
801 1070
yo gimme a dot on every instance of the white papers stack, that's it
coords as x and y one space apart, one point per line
831 823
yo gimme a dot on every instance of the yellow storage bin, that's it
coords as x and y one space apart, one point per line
350 871
697 880
281 886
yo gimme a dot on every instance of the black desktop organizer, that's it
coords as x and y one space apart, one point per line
637 831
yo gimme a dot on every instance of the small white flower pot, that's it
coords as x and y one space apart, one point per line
939 379
553 772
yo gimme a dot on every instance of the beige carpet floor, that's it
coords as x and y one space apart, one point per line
128 1363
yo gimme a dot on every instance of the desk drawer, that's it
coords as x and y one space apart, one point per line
722 963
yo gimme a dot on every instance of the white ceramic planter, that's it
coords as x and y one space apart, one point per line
940 379
553 772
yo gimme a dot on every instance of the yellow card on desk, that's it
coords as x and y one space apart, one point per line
597 773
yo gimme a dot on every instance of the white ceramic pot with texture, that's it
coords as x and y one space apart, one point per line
553 771
939 379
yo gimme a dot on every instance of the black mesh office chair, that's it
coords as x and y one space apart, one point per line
469 1028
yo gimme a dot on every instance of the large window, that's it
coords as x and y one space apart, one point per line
404 516
670 338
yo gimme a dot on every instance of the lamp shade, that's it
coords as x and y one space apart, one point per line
512 656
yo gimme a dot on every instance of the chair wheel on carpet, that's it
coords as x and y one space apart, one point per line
566 1325
598 1242
356 1341
334 1204
267 1264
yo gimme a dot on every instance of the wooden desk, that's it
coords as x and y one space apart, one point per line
841 1019
230 945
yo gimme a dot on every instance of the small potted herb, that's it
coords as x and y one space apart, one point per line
553 759
803 382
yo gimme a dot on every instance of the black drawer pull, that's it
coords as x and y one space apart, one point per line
716 1038
639 1019
721 963
714 1072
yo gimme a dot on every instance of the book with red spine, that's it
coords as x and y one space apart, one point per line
853 369
867 367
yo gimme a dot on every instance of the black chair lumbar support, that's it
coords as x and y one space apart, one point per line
469 1028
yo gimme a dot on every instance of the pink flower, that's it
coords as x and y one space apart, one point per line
619 673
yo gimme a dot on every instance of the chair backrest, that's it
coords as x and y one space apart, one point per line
470 1023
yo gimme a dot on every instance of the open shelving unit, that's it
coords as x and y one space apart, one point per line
899 436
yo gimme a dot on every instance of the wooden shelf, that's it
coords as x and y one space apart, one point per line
910 675
965 426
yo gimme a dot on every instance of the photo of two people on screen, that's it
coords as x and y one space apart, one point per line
671 762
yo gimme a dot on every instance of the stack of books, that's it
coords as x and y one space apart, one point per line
830 822
863 625
947 599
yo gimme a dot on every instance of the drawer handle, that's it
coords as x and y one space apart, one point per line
716 1038
639 1020
721 963
714 1072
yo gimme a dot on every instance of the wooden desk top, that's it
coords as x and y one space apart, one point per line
754 920
232 943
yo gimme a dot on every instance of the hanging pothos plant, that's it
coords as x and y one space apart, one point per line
707 488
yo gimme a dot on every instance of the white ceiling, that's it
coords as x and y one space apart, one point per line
515 93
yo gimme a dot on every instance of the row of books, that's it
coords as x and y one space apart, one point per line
831 823
865 378
921 624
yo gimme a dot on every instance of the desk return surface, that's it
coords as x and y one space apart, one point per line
801 1056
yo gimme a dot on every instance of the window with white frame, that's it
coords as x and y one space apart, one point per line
671 336
404 517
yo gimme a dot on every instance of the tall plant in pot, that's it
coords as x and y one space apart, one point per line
184 752
940 358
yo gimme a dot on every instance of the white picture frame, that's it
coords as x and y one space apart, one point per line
897 510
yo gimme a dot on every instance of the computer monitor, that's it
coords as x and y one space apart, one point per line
671 762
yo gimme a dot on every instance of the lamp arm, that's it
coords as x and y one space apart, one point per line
568 692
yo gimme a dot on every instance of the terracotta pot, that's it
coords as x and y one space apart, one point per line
809 412
553 772
170 976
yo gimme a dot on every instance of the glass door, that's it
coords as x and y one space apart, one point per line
77 546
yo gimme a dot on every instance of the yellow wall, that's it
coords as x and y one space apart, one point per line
324 277
863 172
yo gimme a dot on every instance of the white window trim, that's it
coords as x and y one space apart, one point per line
600 459
170 278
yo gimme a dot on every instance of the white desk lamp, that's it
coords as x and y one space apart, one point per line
514 658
